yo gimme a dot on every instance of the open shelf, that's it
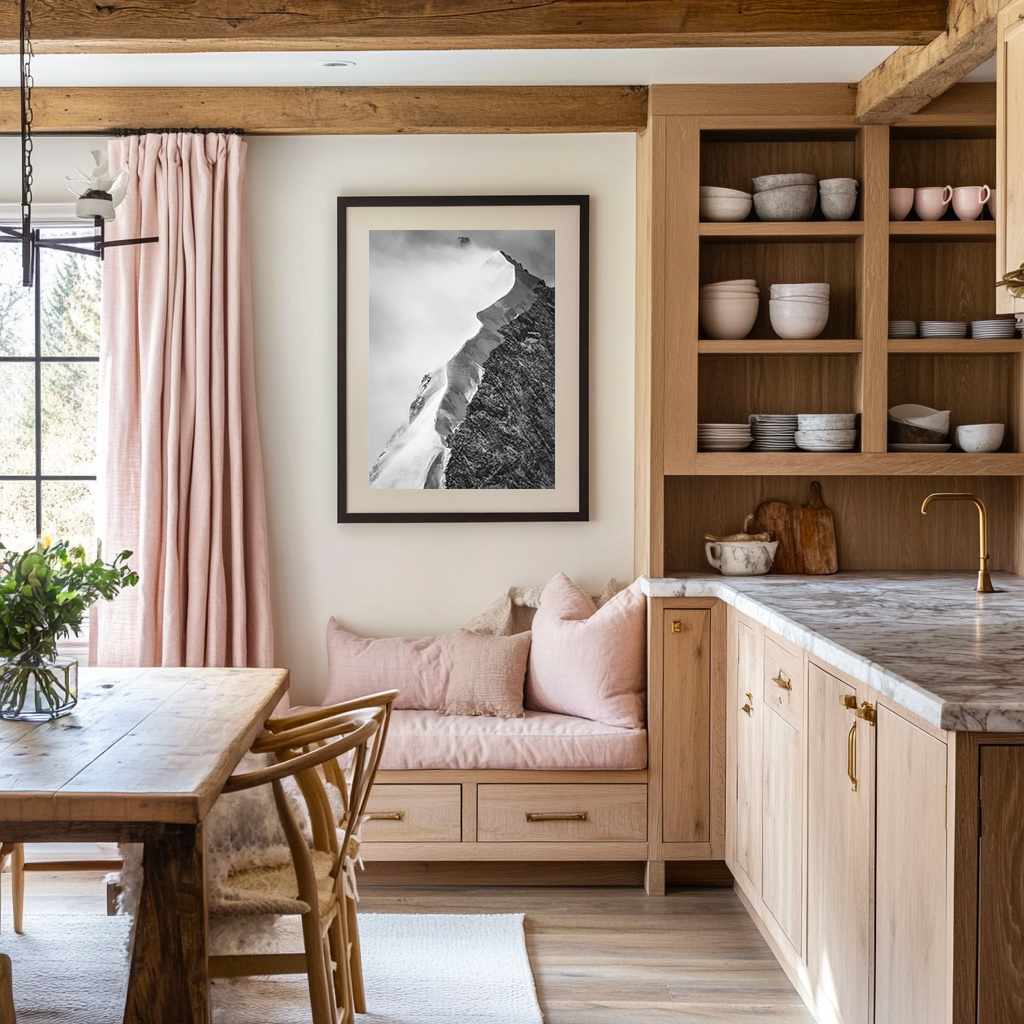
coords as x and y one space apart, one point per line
802 230
781 346
952 346
942 280
942 230
857 464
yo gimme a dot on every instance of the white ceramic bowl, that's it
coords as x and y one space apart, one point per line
838 205
718 209
792 318
787 203
980 437
780 291
846 185
921 416
768 181
740 282
827 420
717 192
728 317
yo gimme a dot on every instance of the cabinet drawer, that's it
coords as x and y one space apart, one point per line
551 813
414 814
784 681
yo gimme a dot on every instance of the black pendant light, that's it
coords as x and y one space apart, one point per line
95 204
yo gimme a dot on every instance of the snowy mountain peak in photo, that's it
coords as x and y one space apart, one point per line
485 418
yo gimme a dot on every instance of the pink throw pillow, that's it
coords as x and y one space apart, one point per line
589 662
417 666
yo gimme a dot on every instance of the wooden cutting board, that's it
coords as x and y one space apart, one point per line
806 535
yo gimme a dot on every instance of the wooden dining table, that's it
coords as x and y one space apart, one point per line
142 759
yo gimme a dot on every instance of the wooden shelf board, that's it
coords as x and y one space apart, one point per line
780 346
853 464
954 346
816 230
942 230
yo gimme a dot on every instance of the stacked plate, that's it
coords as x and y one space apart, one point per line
827 432
723 437
1005 328
902 328
773 432
942 328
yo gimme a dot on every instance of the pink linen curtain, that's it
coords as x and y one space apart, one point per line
181 477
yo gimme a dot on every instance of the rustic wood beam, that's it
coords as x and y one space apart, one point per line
338 111
914 75
181 26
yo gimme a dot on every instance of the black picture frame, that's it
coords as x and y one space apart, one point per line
569 216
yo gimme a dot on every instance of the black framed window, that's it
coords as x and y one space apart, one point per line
49 391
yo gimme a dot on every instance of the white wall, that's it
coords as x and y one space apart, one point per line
404 578
419 578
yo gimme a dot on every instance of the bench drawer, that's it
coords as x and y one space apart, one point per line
550 813
784 681
414 814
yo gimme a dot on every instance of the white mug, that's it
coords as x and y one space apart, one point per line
970 200
741 557
993 204
931 202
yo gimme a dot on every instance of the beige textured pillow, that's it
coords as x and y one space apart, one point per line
488 674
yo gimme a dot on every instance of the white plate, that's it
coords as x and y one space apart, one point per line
837 448
920 447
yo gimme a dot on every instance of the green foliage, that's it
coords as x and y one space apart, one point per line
45 593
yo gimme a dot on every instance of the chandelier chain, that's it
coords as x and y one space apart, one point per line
27 84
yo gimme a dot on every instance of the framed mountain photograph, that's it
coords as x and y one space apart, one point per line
462 359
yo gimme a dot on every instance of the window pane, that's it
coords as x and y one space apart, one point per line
69 406
17 320
68 512
70 300
17 514
17 419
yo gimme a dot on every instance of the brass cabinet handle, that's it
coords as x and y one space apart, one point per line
867 712
677 626
556 815
782 682
851 757
747 707
386 815
849 701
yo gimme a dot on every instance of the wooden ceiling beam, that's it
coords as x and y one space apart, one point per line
182 26
337 111
914 75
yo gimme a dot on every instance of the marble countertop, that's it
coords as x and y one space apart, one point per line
925 640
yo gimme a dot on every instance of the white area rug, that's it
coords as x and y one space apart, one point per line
418 969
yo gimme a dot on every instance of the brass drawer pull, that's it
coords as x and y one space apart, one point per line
556 815
677 626
849 701
851 757
867 712
782 682
386 815
747 707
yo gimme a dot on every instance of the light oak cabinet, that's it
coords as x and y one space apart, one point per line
746 712
1010 150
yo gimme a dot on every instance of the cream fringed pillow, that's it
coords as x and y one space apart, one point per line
487 676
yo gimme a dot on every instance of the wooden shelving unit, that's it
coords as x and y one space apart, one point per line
879 270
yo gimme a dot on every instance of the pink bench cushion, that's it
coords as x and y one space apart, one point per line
540 741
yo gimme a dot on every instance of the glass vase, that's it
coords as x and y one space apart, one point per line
36 691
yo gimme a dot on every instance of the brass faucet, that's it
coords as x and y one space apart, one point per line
984 579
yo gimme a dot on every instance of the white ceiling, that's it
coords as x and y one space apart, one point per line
457 67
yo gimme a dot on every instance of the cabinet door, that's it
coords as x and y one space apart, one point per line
840 749
748 713
1010 150
687 726
910 874
782 825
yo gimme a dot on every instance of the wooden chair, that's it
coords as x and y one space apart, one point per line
6 991
353 815
312 886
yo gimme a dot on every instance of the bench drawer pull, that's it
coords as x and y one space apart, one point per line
781 681
386 815
556 815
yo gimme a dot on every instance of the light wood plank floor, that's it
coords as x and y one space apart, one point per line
600 956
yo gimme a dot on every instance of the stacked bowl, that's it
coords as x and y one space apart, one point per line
918 428
1002 328
826 432
723 437
799 310
785 196
838 198
724 203
773 432
728 309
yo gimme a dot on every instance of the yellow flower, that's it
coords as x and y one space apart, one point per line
47 541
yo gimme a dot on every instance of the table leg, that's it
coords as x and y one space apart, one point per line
169 981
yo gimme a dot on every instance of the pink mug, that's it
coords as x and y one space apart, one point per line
931 203
901 201
993 204
970 200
